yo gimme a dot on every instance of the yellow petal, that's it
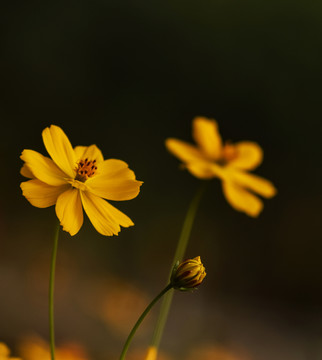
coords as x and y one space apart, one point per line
117 191
249 155
90 152
205 170
40 194
183 150
26 172
60 149
242 200
206 134
114 181
252 182
4 351
105 218
69 211
112 168
43 168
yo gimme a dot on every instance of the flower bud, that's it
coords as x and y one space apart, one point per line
188 274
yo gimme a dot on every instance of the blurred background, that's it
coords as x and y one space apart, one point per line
125 76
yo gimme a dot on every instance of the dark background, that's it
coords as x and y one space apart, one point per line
125 76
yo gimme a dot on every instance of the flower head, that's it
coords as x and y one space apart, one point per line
188 274
77 178
5 353
229 162
35 348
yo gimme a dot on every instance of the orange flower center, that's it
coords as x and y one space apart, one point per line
229 152
85 169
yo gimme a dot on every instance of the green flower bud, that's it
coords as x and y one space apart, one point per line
188 274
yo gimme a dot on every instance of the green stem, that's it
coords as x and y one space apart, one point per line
145 312
179 253
51 294
187 224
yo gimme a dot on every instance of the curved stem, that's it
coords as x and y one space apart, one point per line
145 312
51 294
179 253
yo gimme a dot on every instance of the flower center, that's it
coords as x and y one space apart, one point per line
229 153
85 169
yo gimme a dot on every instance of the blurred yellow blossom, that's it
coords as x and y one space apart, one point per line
139 354
5 353
76 178
202 352
214 352
152 353
116 302
35 348
229 162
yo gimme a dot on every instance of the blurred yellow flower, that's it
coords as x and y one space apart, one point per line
78 177
152 355
5 353
213 352
35 348
211 158
116 302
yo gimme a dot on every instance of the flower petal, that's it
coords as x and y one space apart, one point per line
90 152
205 170
40 194
69 211
183 150
242 200
205 133
43 168
112 168
26 172
60 149
250 155
252 182
114 181
105 218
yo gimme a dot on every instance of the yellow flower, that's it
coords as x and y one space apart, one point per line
35 348
75 178
228 162
152 354
5 352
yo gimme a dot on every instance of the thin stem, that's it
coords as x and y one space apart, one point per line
51 294
187 224
179 253
145 312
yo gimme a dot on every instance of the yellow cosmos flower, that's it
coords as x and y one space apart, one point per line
35 348
5 353
77 178
229 162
